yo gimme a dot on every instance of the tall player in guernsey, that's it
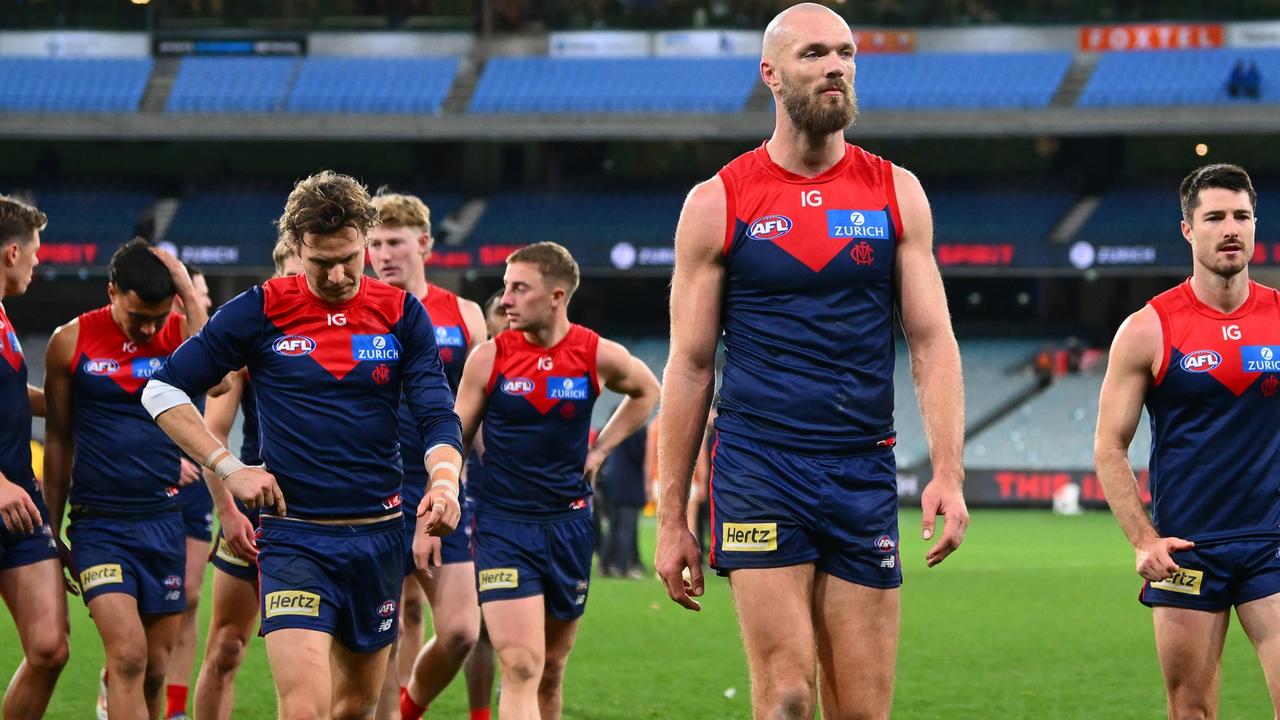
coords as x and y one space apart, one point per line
128 543
804 252
533 387
399 248
330 353
30 575
1204 357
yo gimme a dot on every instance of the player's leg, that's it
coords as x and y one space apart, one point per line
413 608
478 670
1189 643
857 634
455 617
388 706
560 635
161 634
517 630
300 665
357 676
184 648
37 602
231 627
1261 621
775 613
124 642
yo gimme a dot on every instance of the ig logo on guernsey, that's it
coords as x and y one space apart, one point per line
293 345
1200 361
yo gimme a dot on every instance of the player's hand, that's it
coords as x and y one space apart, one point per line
17 510
678 562
1155 557
239 534
591 467
69 574
426 549
440 510
945 498
257 489
177 271
189 472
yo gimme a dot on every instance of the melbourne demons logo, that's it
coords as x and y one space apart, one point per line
293 345
769 227
382 374
517 386
863 253
1269 386
1201 361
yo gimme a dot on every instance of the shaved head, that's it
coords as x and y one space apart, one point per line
783 29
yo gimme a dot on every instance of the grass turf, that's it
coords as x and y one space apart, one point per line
1036 617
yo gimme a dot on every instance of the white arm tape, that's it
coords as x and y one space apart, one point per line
457 471
159 396
434 448
451 485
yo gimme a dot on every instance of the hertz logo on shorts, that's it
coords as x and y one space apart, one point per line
1184 581
227 554
100 575
293 602
499 578
750 537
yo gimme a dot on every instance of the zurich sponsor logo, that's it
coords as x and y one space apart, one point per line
101 367
293 345
884 543
567 388
517 386
449 336
1261 358
144 368
862 224
769 227
375 347
1199 361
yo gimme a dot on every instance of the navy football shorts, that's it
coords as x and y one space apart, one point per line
773 508
145 557
454 547
226 560
197 511
1218 576
518 558
343 580
18 548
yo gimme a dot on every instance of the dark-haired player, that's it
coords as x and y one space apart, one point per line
1204 357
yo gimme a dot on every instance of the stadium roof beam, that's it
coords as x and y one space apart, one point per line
1258 119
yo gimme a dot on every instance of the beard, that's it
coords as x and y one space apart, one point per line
1225 267
814 114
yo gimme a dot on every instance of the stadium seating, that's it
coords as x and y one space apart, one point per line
72 85
1176 77
231 84
960 80
983 216
104 217
1054 430
372 85
222 217
637 85
517 218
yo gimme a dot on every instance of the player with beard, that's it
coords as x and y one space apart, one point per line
803 253
1204 357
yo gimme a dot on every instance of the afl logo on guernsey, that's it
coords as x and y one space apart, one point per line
517 386
293 345
1201 361
101 367
769 227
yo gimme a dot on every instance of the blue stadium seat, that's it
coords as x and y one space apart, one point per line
231 84
104 217
978 216
373 85
73 85
630 85
960 80
1177 77
571 218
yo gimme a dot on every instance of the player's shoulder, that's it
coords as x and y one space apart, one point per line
1140 336
1266 295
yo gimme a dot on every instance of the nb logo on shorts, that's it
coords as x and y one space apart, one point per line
100 575
750 537
1184 581
228 555
293 602
499 579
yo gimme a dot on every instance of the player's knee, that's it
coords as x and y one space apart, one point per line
457 640
1190 708
520 666
48 654
226 651
354 709
152 682
553 672
791 698
412 610
128 663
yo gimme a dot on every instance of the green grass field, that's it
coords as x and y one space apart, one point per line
1036 617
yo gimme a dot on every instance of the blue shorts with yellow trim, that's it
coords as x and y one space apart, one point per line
343 580
145 557
774 508
1218 576
519 557
18 549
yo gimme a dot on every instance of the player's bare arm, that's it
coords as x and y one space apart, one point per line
219 416
196 315
473 396
1136 356
935 367
473 317
688 382
35 396
59 442
623 373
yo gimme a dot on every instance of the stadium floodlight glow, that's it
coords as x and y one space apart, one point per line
1202 149
140 2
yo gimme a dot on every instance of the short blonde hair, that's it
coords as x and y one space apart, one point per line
282 252
553 260
398 210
